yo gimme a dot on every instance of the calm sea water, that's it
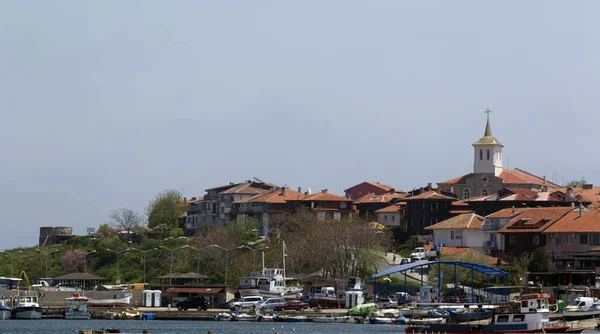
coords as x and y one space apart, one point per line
187 327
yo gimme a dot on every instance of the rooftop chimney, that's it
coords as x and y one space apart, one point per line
300 190
544 179
324 190
587 186
570 192
429 186
580 210
392 190
282 191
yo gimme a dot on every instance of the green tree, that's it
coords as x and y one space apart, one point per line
165 209
576 183
539 262
126 220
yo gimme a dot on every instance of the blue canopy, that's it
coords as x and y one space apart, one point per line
482 268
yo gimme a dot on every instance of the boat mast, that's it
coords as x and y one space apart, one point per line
284 255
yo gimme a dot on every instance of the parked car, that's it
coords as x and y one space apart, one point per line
270 303
309 299
245 302
197 302
386 302
296 304
227 303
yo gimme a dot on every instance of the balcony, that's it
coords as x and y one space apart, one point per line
563 268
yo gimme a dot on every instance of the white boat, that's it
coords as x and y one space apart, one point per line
5 311
331 320
381 320
223 316
242 316
77 308
270 282
124 300
425 321
582 308
27 307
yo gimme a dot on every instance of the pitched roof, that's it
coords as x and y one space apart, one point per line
535 220
572 222
464 221
396 207
383 198
521 195
274 197
376 184
591 194
430 195
79 277
247 188
508 176
325 197
506 213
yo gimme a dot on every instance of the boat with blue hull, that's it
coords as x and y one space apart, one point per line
469 314
77 308
5 311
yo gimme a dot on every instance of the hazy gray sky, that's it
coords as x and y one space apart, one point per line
105 103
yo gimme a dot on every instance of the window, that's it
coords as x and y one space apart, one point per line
393 217
480 154
512 239
385 217
535 239
518 317
502 318
432 206
437 206
484 192
466 193
452 235
488 154
423 206
583 239
595 239
557 240
568 239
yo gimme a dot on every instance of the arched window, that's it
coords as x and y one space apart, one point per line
488 154
466 194
484 192
480 154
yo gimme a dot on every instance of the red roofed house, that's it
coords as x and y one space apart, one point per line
524 233
368 204
425 209
362 189
392 216
326 205
492 224
489 175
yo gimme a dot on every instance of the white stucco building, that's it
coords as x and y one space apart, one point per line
460 231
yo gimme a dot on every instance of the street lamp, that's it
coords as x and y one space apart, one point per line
197 249
144 252
226 258
254 254
118 261
11 254
45 253
85 267
171 249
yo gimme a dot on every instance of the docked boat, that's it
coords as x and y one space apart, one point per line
242 316
128 315
469 314
425 321
265 317
122 301
5 311
530 315
77 308
297 318
27 306
223 316
331 320
582 308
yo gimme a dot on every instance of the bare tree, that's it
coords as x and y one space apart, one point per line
125 219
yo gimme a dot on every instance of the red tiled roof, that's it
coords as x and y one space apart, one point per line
459 203
589 195
383 198
396 207
429 195
464 221
506 213
535 220
571 222
247 188
378 185
325 197
274 197
509 176
456 212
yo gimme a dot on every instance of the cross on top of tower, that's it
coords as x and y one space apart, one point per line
488 111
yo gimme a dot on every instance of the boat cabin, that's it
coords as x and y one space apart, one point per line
27 300
535 302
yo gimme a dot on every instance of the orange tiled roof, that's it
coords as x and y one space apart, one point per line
589 195
509 176
430 195
571 222
396 207
376 184
325 197
274 197
459 203
464 221
245 188
506 213
535 220
383 198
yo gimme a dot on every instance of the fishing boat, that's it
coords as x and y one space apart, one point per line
123 301
582 308
5 311
270 282
26 303
331 319
530 315
77 308
469 314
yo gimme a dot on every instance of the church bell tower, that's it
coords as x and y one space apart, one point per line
487 152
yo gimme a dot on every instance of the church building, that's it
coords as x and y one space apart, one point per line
489 175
